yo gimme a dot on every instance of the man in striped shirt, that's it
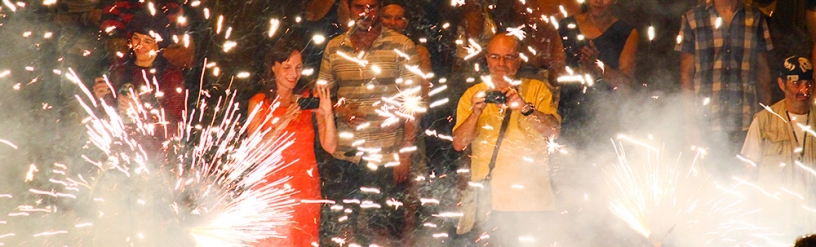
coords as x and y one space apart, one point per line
724 67
373 73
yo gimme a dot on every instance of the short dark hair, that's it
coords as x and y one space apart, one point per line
806 241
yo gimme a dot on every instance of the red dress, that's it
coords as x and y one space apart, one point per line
303 228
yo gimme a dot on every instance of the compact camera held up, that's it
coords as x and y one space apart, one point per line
495 97
309 103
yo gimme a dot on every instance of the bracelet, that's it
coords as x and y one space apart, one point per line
529 111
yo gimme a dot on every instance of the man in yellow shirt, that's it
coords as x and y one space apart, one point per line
522 195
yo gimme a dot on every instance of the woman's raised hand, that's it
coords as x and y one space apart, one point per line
325 107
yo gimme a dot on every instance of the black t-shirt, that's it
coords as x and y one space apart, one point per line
610 43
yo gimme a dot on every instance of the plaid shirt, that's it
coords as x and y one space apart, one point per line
725 62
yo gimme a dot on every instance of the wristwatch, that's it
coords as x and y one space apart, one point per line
530 109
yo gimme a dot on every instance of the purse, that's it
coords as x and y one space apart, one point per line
475 201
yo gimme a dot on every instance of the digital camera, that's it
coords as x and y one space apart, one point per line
495 97
125 89
309 103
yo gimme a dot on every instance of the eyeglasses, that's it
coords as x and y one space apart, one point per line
505 57
800 83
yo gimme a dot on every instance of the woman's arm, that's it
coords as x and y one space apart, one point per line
255 104
627 60
326 128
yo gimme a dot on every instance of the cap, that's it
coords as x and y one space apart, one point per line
797 68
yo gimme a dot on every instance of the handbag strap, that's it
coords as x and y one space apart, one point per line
505 122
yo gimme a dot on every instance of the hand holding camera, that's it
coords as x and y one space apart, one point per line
309 103
322 103
101 88
495 97
508 96
589 57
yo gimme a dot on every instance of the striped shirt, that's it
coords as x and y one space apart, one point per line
363 82
725 56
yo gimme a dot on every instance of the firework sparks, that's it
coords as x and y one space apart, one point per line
274 24
220 174
473 49
656 199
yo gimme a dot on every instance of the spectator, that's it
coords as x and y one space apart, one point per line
80 49
724 67
148 82
589 37
393 16
78 41
134 78
476 24
285 64
118 15
768 130
522 194
326 19
544 55
369 140
775 138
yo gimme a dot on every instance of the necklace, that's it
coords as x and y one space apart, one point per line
795 137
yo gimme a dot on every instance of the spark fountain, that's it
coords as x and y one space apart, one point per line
677 203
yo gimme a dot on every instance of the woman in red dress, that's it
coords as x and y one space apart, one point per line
287 118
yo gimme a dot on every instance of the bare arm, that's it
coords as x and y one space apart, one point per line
558 58
425 66
764 78
546 124
627 61
686 73
255 104
464 134
327 130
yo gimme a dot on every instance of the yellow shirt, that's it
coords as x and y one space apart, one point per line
521 177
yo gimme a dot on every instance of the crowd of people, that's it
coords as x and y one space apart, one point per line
546 74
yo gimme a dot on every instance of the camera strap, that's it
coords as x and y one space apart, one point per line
505 122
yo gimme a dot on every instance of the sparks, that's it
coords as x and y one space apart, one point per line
274 24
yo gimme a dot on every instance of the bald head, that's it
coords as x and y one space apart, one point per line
504 40
503 57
